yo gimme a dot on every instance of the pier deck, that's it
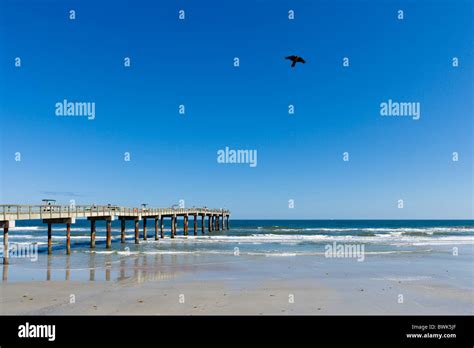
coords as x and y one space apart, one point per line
217 219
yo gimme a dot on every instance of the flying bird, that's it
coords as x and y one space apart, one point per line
295 59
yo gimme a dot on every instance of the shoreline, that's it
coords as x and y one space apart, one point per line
252 286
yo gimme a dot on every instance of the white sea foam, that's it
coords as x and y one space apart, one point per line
22 236
270 253
392 239
127 253
282 254
287 239
78 237
428 230
28 228
172 252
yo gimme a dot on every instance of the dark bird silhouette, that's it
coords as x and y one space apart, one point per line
295 59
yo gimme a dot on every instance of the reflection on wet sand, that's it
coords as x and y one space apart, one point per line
144 272
68 266
48 268
92 267
122 269
108 266
5 273
126 268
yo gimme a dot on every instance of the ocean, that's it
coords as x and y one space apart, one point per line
246 238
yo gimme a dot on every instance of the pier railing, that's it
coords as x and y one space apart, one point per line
31 212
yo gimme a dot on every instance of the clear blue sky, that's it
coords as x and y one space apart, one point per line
190 62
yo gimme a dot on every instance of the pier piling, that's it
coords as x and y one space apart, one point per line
195 224
137 239
122 231
144 228
92 233
108 243
68 238
162 227
50 242
185 225
68 222
156 228
5 242
173 225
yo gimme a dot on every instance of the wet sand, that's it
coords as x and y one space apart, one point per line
249 285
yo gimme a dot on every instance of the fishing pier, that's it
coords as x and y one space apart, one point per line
217 219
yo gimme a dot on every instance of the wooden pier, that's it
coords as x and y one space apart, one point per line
218 219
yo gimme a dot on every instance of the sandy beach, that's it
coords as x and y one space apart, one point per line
237 285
